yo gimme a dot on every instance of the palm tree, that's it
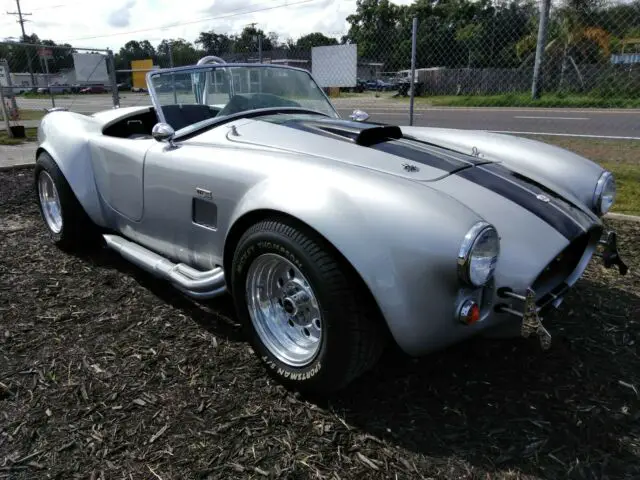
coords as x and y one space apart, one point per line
571 37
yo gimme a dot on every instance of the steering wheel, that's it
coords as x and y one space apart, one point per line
237 104
240 103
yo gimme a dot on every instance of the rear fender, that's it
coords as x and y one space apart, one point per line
66 136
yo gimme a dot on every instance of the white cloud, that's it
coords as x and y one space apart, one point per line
109 25
121 17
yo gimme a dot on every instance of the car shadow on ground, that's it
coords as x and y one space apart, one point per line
217 316
505 404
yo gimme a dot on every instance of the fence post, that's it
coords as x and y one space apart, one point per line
5 114
542 40
14 104
173 76
412 87
112 78
46 69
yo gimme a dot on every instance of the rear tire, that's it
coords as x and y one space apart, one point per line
66 221
308 316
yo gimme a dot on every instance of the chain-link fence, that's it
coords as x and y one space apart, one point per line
35 77
567 53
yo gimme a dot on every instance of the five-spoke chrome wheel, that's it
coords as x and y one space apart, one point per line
50 201
284 309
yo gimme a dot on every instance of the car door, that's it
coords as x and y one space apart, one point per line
118 169
190 192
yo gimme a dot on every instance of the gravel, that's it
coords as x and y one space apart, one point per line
108 373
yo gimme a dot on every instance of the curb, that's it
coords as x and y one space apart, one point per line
17 166
623 217
614 216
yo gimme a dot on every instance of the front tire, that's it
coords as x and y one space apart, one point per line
308 316
66 221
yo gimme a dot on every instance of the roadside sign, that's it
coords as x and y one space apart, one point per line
45 52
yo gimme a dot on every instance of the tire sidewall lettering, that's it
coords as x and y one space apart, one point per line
292 375
243 262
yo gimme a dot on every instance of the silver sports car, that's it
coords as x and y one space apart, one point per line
333 236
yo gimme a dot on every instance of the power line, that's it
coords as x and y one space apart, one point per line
179 24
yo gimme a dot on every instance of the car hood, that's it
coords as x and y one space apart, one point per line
378 147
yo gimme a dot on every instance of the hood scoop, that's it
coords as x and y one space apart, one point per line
368 136
363 134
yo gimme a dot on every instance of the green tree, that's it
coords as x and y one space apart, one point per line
215 43
316 39
184 53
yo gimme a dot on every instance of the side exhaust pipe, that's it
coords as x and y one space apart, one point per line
195 283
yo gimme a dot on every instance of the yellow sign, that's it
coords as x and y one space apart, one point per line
138 77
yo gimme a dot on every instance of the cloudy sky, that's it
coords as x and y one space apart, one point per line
111 23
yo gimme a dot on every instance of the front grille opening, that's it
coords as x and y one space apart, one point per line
562 266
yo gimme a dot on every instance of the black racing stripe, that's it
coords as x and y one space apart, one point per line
407 151
545 211
585 218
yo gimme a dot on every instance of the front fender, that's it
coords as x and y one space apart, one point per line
569 174
65 136
400 236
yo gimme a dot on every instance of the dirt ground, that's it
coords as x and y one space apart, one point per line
106 373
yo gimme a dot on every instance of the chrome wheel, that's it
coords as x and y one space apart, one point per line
50 202
284 310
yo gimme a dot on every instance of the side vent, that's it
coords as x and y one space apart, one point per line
205 213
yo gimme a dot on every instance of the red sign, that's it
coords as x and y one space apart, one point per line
45 52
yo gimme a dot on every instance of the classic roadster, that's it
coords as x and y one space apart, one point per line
333 236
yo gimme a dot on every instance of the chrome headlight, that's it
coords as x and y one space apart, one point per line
478 254
605 194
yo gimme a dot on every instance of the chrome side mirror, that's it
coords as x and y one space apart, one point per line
163 132
359 116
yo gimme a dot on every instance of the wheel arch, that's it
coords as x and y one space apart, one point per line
244 222
73 158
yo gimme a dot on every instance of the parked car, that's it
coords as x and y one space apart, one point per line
333 236
380 85
93 89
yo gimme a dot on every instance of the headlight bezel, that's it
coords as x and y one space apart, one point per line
606 179
465 253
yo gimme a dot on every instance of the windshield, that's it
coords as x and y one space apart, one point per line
200 96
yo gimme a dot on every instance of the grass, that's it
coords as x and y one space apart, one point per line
507 100
524 100
28 114
621 157
31 135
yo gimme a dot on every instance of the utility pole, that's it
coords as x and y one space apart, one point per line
258 37
22 21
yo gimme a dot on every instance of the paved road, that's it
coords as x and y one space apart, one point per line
590 122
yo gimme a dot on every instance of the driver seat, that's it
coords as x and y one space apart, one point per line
180 116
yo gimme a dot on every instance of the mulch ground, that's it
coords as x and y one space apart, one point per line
107 373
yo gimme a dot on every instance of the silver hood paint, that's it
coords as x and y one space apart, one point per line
260 134
569 174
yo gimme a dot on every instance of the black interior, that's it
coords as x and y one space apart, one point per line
141 124
180 116
135 126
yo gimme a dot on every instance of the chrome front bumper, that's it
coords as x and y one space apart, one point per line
531 307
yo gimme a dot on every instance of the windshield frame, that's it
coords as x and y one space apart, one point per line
212 67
